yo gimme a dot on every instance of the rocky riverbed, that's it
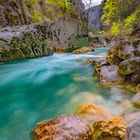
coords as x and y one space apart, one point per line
119 68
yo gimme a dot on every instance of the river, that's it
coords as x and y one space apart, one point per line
32 90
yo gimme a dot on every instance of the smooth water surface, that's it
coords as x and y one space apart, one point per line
36 89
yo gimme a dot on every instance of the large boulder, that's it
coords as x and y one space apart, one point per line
62 128
113 129
92 113
129 66
125 50
109 76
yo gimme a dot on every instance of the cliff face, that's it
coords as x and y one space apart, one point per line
11 13
94 17
80 6
40 39
20 12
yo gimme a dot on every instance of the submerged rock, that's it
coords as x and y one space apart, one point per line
92 113
83 50
62 128
109 76
114 129
129 66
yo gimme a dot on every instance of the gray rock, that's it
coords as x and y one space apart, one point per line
109 76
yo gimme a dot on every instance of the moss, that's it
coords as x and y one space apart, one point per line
82 42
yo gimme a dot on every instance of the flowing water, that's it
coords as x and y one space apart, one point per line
36 89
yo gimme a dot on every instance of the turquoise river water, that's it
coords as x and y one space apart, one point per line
33 90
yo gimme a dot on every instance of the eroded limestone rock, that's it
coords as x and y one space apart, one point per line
62 128
113 129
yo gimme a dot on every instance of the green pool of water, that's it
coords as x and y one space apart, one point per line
36 89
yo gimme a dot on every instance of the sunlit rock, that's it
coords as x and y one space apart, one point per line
113 129
83 50
92 113
62 128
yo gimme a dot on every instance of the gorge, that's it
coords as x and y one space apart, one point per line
69 73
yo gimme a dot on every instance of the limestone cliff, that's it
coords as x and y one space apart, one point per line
14 13
40 39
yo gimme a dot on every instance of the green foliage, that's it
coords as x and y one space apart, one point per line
47 9
115 28
64 4
119 16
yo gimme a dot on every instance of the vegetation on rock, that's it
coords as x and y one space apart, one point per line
121 16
